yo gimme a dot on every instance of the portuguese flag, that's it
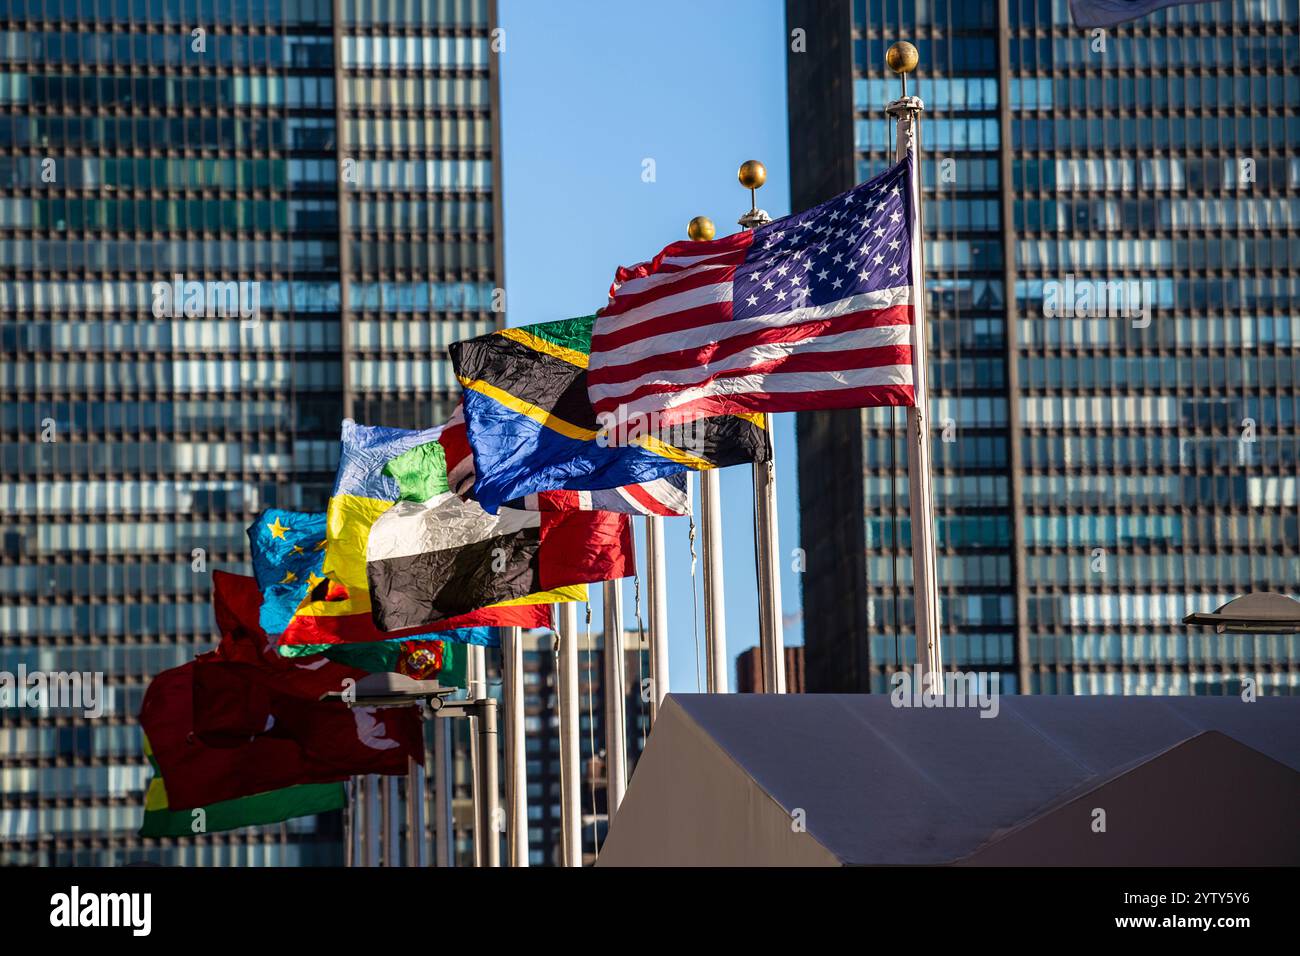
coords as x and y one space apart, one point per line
434 555
274 806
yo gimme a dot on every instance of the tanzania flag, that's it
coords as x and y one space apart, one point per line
273 806
434 558
532 427
288 550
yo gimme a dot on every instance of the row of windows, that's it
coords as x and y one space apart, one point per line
1162 531
1059 53
423 215
46 497
199 375
1121 610
1210 174
149 457
1235 294
126 538
969 452
223 133
409 255
979 135
298 215
108 659
448 132
1137 90
1248 331
1169 649
1083 568
125 173
1160 490
1143 411
413 53
1151 132
106 620
938 93
397 375
1229 252
104 579
1148 452
139 296
220 336
131 93
29 823
1122 373
245 256
174 415
97 739
166 49
416 94
962 215
181 12
1114 215
955 55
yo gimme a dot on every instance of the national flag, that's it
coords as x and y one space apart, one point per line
332 616
313 743
288 552
813 311
1109 13
339 609
433 559
273 806
235 600
532 429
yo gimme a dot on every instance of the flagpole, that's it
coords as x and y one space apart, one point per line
771 640
488 785
615 700
701 229
372 821
656 584
444 839
473 669
415 809
350 824
902 58
570 760
512 695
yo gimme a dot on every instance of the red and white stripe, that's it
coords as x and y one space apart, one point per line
667 345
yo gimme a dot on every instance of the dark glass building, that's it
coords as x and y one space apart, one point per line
317 179
1112 249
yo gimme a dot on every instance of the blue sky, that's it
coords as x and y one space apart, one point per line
590 91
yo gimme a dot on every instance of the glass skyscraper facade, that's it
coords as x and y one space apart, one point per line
1112 249
336 162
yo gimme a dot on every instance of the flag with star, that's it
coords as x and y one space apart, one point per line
288 550
813 311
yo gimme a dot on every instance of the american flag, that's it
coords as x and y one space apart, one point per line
812 311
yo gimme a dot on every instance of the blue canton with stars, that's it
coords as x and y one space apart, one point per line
858 242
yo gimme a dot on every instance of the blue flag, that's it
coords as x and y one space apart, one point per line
288 549
1109 13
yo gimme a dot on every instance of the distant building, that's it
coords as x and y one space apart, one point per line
337 165
1111 289
749 671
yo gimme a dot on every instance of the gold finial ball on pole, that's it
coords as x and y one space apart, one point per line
752 174
902 57
701 229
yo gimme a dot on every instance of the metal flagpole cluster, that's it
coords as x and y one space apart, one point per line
752 176
902 59
701 229
512 694
570 757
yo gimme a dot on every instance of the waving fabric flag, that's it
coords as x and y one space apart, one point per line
532 429
274 806
434 558
813 311
1109 13
338 610
297 741
288 551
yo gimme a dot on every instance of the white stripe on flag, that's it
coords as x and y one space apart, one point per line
444 521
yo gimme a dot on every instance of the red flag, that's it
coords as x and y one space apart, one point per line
300 741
